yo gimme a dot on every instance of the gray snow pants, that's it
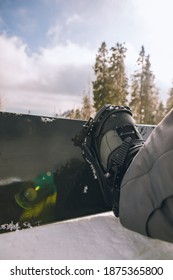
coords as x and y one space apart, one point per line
146 197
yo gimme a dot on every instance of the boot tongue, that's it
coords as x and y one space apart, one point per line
110 142
117 150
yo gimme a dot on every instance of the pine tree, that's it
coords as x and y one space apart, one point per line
74 114
144 95
101 83
169 103
135 96
118 80
111 83
160 112
87 109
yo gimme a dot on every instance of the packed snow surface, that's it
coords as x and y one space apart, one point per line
95 237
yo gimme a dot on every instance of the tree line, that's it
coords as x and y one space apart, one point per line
112 86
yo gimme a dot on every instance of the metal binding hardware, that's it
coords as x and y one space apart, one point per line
88 126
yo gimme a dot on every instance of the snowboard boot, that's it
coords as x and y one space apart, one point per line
109 143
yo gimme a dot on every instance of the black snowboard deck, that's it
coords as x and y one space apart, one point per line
43 177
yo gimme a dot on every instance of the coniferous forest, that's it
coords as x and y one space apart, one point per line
112 86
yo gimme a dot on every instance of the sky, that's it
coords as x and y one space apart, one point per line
48 48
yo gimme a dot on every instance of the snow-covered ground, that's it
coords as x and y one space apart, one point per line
92 238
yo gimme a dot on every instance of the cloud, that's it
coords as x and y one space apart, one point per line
75 18
54 32
156 23
69 53
15 63
54 77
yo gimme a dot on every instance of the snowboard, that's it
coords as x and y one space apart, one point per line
43 177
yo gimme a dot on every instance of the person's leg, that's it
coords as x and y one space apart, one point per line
146 200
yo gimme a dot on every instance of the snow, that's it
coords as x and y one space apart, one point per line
96 237
45 119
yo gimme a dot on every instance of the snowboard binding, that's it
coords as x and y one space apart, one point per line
109 143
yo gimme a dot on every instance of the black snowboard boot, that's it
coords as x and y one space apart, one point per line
109 143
